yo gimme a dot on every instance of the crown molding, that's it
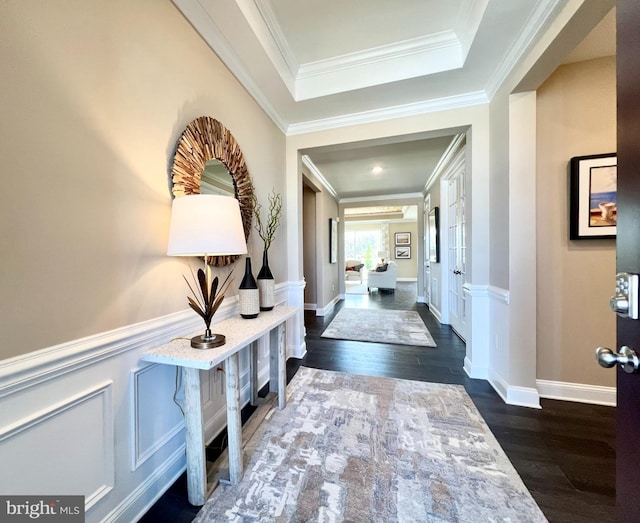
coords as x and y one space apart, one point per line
379 65
382 198
199 18
261 18
541 15
320 177
453 148
389 113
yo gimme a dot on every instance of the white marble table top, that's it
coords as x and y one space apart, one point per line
238 331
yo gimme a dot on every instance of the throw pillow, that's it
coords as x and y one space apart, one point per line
358 267
351 268
382 268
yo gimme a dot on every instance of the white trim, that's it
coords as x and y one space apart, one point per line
443 164
316 172
202 22
543 12
475 371
310 306
382 198
436 313
390 113
410 280
514 395
138 458
324 311
578 392
174 465
393 62
498 294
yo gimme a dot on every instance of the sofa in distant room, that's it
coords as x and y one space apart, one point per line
384 276
353 270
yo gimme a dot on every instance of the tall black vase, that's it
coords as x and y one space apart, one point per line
266 284
248 293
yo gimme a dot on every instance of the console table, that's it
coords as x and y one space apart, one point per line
239 333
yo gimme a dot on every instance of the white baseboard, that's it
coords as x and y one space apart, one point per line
578 392
407 279
475 372
310 306
328 308
514 395
436 313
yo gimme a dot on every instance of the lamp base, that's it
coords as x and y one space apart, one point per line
202 342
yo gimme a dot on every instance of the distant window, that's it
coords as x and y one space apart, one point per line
362 245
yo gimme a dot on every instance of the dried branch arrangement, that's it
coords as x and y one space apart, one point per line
202 140
267 229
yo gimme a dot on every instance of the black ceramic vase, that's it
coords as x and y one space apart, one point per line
266 284
248 293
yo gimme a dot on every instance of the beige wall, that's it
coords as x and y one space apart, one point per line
94 98
406 268
576 115
309 245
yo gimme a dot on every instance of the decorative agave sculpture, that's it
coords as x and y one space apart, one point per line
207 300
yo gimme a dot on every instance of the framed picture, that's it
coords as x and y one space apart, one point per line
434 235
333 241
403 253
593 208
403 238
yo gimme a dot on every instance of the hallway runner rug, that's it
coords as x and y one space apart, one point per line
380 326
351 448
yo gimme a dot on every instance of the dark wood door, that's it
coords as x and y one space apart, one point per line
628 254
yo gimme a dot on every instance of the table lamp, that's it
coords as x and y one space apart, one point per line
206 225
382 255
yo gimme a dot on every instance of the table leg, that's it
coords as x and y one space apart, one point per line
194 428
253 372
278 364
234 422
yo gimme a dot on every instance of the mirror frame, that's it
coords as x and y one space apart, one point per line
206 139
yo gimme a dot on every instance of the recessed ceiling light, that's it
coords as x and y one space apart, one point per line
376 169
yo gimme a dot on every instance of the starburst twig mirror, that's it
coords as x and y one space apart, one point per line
203 140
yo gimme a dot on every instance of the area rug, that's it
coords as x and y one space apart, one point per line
380 326
356 449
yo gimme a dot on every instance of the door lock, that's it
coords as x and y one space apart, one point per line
628 359
625 301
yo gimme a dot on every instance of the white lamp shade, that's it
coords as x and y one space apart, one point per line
206 225
383 254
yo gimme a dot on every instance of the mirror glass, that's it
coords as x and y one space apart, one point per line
215 179
208 160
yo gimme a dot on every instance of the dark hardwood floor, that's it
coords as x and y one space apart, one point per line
564 452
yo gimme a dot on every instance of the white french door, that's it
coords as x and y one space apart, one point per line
456 258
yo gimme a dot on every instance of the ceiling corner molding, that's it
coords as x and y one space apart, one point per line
320 177
389 113
420 56
542 13
455 145
199 18
382 198
262 19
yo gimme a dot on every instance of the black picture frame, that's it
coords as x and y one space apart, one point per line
403 252
593 197
402 238
434 235
333 240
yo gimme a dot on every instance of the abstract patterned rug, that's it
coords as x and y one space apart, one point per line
380 326
356 449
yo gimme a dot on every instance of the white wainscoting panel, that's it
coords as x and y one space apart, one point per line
71 440
90 418
155 418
